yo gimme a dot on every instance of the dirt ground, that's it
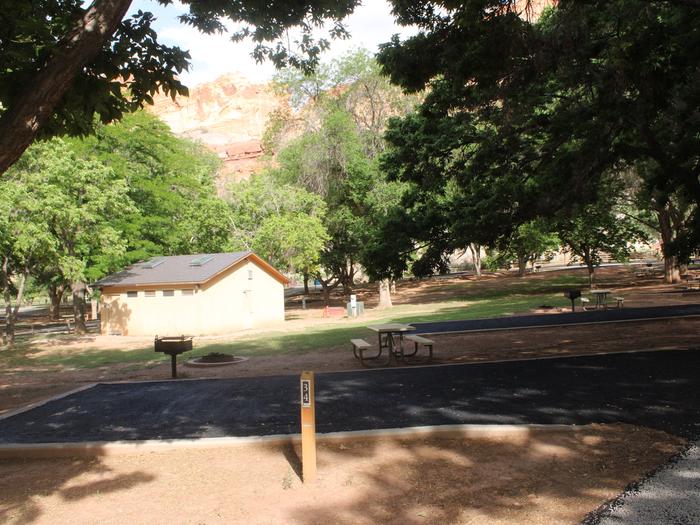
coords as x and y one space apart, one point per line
539 476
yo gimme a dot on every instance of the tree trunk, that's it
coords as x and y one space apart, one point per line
56 297
11 313
476 258
25 116
8 335
591 274
671 271
306 284
522 266
326 293
384 294
78 290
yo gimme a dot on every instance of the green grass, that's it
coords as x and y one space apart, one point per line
483 302
327 337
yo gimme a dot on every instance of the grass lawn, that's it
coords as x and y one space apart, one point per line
463 300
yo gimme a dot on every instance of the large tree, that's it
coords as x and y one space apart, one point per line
62 61
525 117
601 228
81 201
281 222
342 111
171 182
25 243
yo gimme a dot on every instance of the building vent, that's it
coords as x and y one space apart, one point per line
201 261
152 263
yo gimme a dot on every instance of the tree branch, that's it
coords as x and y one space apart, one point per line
26 115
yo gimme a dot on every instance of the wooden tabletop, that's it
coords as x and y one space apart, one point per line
391 327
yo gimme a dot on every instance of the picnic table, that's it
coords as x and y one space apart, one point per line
601 298
391 337
692 282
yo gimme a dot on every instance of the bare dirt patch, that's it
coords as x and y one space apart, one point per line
545 476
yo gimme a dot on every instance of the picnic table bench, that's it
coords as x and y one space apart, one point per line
420 340
391 336
359 346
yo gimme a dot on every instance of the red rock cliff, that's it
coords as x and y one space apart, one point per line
228 115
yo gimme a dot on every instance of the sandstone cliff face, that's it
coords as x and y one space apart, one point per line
228 115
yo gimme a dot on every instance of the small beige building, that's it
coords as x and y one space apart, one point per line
192 295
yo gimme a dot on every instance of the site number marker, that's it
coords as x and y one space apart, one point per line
308 428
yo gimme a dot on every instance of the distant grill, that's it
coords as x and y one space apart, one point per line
572 294
173 346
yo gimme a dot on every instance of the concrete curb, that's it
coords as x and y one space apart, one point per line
115 448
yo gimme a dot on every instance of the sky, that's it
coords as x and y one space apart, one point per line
214 55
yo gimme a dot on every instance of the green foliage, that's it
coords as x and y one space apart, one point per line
171 182
345 106
523 119
332 163
24 236
529 242
281 222
81 201
600 229
353 85
132 65
121 78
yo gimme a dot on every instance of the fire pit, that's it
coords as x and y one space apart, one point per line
173 346
215 359
572 294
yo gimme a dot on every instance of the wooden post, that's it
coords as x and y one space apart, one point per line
308 428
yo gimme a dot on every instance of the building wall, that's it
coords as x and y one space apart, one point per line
229 302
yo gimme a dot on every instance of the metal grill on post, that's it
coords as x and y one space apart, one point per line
173 346
572 294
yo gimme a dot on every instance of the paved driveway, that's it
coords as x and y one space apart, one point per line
571 318
655 389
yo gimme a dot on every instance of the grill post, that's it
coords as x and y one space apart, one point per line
572 294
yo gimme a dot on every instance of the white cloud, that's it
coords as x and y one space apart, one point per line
214 55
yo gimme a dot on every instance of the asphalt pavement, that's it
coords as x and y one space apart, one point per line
655 389
570 318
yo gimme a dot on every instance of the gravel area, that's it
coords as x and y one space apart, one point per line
671 495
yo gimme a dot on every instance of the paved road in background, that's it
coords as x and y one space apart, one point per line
578 317
655 389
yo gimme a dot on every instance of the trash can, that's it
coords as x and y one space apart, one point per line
360 308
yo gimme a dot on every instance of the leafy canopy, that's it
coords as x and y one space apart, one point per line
523 119
171 182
